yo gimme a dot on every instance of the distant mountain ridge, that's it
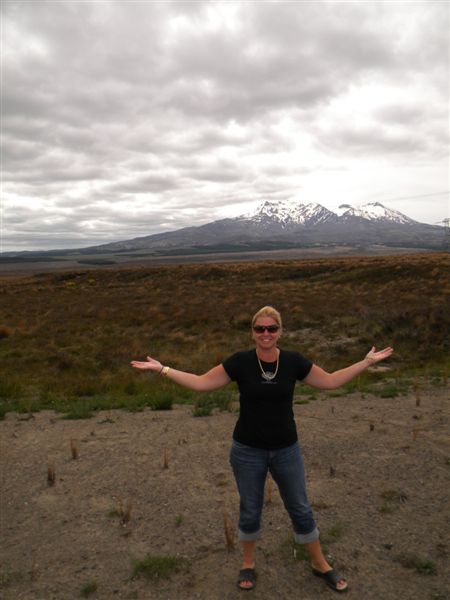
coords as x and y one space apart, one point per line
285 224
288 223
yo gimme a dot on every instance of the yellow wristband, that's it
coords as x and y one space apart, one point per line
164 371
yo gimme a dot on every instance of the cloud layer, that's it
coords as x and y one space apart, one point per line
122 119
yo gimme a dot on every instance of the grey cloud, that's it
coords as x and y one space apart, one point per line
217 175
17 153
283 171
47 169
53 176
57 230
324 56
142 96
372 139
18 102
145 183
215 137
397 113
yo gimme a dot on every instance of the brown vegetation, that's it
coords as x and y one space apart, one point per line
68 337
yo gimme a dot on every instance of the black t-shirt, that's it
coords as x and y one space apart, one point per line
266 418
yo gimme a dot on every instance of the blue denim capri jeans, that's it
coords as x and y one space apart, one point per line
250 467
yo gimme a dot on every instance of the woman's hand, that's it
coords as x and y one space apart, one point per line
150 364
214 379
374 357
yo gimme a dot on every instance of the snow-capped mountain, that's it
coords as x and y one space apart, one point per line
374 211
288 213
288 224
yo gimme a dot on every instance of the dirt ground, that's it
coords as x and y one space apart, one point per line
378 473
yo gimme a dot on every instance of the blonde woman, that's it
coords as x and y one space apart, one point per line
265 435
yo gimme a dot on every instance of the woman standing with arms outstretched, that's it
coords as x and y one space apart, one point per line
265 435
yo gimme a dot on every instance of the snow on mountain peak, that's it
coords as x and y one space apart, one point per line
375 211
289 212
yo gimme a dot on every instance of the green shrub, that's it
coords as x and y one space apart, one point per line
157 567
10 389
89 588
422 565
78 410
202 411
162 402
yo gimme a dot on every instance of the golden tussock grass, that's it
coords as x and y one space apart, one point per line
77 340
229 532
74 448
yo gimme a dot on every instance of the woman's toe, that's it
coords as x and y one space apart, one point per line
341 584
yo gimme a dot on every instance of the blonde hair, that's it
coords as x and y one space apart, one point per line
268 311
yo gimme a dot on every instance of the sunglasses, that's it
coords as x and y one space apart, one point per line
263 328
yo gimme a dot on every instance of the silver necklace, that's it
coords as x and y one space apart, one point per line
269 375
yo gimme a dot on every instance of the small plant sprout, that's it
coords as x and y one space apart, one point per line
34 572
51 476
74 448
125 511
166 460
415 432
332 471
416 387
179 520
229 533
394 496
392 500
89 588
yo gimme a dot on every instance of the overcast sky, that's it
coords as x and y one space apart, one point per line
122 119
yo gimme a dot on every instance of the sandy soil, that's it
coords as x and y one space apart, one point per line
56 539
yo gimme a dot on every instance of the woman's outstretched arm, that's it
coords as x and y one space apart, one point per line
319 378
213 379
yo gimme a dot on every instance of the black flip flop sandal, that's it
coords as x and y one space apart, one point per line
247 575
331 578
